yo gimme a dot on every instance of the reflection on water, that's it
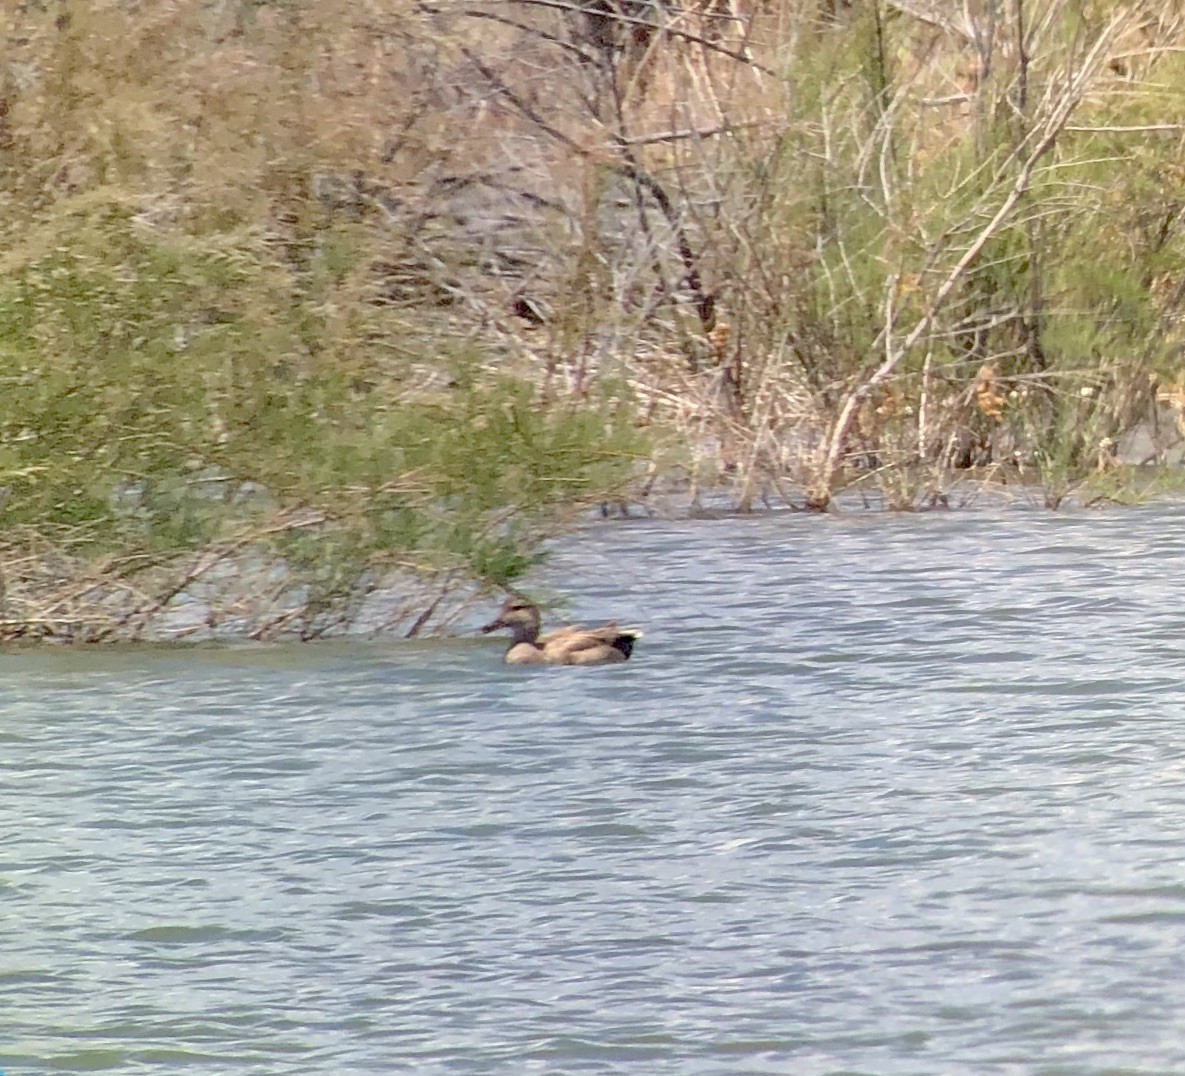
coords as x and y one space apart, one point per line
885 795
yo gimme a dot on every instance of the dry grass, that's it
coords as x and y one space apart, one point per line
805 231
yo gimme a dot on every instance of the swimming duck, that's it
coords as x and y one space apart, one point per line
606 645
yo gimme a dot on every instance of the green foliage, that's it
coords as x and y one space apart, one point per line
1042 331
152 381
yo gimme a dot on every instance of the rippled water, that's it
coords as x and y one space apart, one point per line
876 794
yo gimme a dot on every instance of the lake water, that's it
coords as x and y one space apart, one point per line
877 794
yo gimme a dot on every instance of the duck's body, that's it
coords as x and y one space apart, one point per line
606 645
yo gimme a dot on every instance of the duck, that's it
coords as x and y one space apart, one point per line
606 645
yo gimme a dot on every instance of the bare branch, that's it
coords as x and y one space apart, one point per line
628 20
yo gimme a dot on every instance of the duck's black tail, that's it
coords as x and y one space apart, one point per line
625 642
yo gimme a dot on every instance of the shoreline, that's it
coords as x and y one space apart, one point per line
255 596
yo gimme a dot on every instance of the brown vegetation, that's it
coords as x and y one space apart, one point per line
804 230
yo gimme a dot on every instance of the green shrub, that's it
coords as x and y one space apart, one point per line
161 390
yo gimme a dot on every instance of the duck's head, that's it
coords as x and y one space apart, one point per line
518 614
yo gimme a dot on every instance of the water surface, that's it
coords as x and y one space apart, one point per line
876 794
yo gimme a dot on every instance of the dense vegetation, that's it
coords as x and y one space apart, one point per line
394 285
199 353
